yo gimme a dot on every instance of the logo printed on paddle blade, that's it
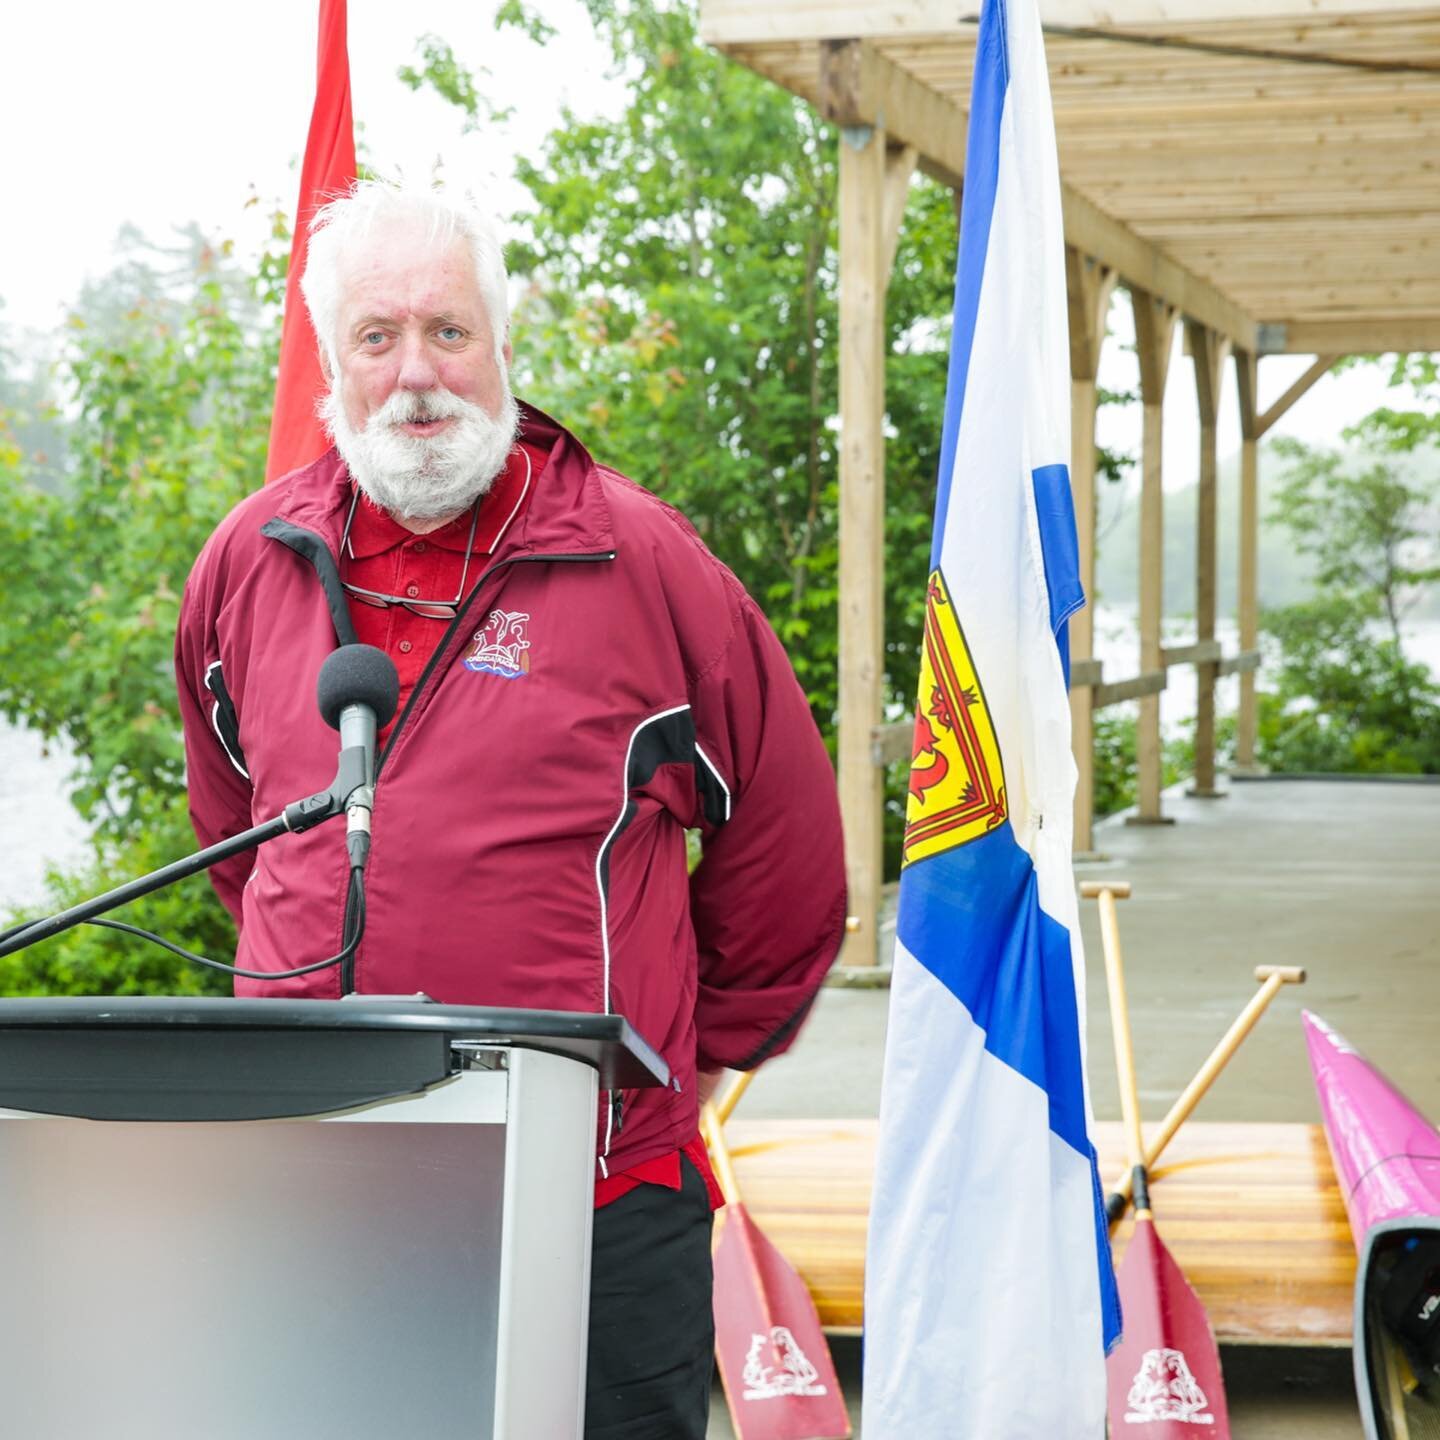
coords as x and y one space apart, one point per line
794 1375
957 782
1164 1389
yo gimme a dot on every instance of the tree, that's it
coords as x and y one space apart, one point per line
1343 698
1342 701
1367 522
32 428
170 380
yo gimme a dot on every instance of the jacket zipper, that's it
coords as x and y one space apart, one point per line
455 624
347 967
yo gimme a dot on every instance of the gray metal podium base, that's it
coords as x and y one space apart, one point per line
413 1267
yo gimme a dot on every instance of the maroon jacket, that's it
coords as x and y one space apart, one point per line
608 685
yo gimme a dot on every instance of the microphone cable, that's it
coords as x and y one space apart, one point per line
354 933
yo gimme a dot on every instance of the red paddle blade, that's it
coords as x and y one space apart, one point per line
1164 1376
776 1367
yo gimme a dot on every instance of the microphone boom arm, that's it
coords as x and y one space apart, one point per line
300 815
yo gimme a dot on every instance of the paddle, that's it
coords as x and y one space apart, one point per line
725 1104
779 1379
1163 1377
1272 977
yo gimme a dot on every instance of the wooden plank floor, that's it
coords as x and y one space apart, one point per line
1250 1211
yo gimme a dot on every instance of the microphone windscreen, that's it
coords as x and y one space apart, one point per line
358 675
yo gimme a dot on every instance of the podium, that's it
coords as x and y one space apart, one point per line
235 1219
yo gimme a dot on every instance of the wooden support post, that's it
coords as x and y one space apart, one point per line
1154 337
1253 425
1089 285
872 188
1247 368
1208 350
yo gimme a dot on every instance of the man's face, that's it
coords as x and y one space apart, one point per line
412 319
420 408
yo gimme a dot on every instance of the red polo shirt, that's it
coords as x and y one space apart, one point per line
381 555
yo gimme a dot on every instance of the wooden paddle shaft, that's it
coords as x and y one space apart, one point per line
719 1154
1272 977
725 1105
1120 1019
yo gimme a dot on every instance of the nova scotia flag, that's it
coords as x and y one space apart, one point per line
990 1299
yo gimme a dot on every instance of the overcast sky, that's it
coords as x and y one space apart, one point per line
160 112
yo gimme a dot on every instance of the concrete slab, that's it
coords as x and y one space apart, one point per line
1340 877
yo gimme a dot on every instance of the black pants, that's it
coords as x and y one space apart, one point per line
652 1330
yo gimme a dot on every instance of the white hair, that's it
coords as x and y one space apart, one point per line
372 202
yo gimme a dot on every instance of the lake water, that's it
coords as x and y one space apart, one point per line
1117 644
39 828
38 825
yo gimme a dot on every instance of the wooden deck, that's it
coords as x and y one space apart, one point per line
1251 1212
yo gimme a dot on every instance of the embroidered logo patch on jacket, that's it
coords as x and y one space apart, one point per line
501 646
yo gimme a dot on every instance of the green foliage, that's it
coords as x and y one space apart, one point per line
31 425
1114 759
1345 698
170 379
1367 523
1112 465
1116 749
1345 701
93 961
514 15
443 73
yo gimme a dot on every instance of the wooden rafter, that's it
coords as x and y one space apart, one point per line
1317 372
1282 162
1353 335
858 86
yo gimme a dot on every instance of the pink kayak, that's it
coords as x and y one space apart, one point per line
1387 1159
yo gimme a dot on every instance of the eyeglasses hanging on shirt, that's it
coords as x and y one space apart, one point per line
427 609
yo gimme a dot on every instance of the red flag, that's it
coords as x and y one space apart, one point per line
296 437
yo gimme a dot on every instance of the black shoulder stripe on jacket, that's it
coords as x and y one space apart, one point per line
666 739
223 719
309 546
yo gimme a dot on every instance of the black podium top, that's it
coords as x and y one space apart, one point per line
160 1058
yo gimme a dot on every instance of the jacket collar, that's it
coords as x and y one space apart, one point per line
567 515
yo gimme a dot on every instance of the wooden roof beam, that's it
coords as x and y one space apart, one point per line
736 22
1147 267
1377 335
860 86
1118 14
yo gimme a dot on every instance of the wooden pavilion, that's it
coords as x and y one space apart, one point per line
1264 173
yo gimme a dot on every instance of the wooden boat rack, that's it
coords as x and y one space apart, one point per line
1251 1212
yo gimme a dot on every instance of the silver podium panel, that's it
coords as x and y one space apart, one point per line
261 1280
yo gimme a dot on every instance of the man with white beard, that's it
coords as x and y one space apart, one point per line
581 683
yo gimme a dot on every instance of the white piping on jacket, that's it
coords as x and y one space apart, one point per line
600 885
715 771
215 722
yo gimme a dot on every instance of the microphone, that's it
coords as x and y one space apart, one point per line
358 691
